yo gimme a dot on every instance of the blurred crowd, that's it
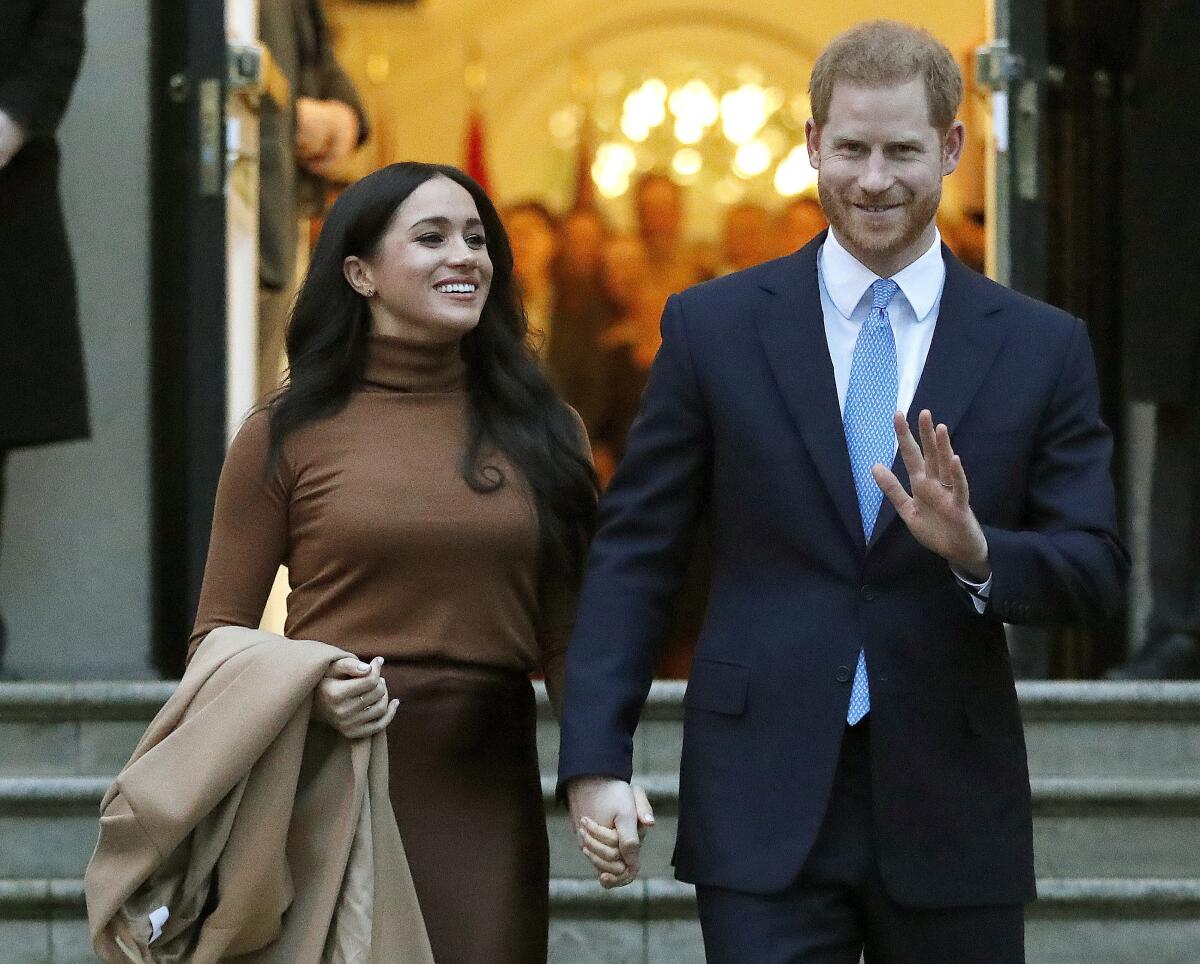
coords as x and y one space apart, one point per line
594 296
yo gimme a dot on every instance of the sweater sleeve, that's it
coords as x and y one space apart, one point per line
36 92
556 612
249 534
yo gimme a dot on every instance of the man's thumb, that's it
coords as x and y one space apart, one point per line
628 841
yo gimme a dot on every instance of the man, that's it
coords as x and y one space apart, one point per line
43 396
658 207
1162 329
854 773
747 237
301 143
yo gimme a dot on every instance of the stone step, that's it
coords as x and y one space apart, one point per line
653 921
1082 828
1079 729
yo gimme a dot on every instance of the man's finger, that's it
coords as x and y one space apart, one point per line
958 475
595 848
645 813
886 479
928 442
910 451
629 843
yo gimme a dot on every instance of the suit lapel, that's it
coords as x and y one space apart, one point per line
792 329
964 346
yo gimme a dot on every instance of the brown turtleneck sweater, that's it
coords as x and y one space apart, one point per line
389 552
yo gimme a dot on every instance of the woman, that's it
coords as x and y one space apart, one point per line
433 500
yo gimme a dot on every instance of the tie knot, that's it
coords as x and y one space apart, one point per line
882 292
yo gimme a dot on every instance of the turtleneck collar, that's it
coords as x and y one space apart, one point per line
400 365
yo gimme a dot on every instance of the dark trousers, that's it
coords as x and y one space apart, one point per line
838 909
1175 523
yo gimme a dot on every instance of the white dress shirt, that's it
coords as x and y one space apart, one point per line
913 311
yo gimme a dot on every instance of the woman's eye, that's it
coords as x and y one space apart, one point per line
476 241
429 239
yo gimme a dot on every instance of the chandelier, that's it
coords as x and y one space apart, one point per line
731 136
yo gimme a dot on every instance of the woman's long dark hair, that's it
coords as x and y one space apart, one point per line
512 407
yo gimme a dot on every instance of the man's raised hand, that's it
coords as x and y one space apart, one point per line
938 512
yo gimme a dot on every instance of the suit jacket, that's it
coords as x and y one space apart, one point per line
298 37
740 427
232 784
42 391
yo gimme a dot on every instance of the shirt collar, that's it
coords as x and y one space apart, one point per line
847 279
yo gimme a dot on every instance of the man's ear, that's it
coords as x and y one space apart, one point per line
952 147
358 274
812 141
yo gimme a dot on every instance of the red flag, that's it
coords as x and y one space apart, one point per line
474 149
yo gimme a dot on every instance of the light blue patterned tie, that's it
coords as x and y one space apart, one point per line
870 436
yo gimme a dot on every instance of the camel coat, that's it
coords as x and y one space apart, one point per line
238 831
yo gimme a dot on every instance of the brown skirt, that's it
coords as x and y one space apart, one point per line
467 794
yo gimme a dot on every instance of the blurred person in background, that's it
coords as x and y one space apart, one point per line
533 233
799 222
658 207
746 238
43 395
581 312
300 145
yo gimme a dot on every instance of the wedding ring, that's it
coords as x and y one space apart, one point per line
945 485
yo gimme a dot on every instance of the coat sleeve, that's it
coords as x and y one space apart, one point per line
331 82
249 534
35 94
637 564
1067 563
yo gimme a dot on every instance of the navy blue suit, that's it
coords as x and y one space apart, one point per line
740 426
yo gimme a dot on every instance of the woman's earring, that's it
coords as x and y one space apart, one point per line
369 293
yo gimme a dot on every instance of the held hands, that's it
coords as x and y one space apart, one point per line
938 512
326 133
611 818
353 698
12 139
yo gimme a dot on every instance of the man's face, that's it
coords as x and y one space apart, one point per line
880 164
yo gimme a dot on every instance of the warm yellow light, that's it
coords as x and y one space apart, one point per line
687 162
612 187
696 103
688 131
751 159
729 191
743 113
633 129
656 89
794 174
564 124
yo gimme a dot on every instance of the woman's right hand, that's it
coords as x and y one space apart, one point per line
353 698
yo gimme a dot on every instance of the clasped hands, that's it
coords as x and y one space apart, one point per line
611 818
353 698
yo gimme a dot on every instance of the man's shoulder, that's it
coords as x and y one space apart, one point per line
731 301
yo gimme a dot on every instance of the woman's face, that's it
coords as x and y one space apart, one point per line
431 273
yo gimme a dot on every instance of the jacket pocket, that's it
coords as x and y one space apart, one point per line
717 687
992 711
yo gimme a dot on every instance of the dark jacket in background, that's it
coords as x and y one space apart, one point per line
42 390
296 34
1162 208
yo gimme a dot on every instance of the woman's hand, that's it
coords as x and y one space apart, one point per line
353 698
604 848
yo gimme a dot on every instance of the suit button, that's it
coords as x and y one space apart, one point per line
843 674
868 593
